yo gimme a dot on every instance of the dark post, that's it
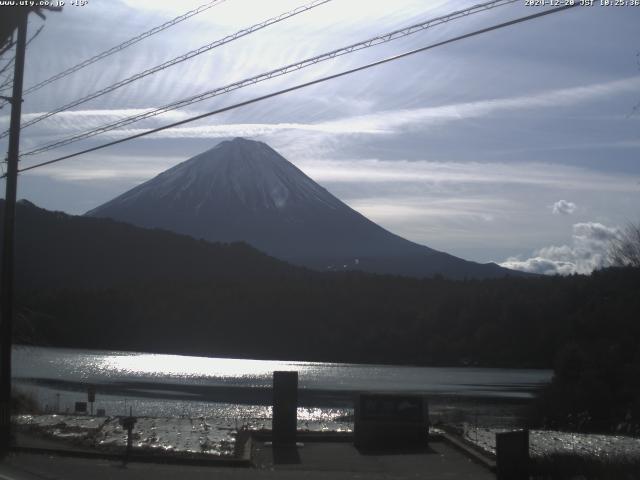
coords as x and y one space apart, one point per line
512 455
128 423
285 407
129 439
6 294
91 396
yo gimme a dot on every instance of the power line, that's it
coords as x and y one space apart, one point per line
6 47
187 56
304 85
8 64
387 37
11 60
124 45
8 79
7 84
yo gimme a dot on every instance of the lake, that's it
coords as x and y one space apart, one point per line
197 404
175 385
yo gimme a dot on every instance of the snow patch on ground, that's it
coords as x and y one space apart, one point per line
544 443
193 435
189 435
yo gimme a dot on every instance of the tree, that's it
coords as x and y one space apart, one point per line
624 251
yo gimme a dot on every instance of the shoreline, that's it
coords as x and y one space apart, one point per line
262 395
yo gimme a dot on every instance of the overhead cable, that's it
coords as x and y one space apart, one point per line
174 61
123 45
303 85
377 40
7 84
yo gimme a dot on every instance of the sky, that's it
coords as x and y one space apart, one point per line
519 146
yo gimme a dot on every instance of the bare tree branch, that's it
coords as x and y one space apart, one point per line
625 250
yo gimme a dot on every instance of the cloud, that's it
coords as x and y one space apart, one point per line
588 252
430 207
563 207
390 120
426 174
133 169
393 121
488 173
380 123
251 130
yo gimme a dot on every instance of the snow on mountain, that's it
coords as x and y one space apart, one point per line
243 190
251 173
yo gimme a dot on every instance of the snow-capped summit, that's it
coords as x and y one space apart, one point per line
249 173
243 190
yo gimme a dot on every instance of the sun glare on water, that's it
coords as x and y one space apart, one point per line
185 366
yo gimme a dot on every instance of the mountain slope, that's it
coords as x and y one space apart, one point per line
243 190
54 249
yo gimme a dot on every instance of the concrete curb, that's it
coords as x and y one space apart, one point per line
243 462
265 435
471 452
244 456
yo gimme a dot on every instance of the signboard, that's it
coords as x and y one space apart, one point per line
81 407
387 421
91 394
398 408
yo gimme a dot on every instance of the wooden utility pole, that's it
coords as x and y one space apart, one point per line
6 292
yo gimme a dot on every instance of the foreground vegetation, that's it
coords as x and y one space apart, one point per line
23 402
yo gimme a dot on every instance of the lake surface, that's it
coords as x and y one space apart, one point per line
197 404
175 385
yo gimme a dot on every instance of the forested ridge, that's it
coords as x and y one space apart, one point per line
348 317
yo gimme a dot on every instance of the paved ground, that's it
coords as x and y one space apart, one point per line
343 460
313 460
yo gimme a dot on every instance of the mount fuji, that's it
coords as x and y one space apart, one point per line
243 190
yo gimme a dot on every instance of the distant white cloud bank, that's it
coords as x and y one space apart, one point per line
588 252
